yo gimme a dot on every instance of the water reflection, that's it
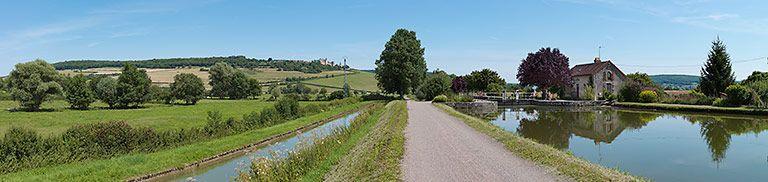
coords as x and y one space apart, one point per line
556 126
717 131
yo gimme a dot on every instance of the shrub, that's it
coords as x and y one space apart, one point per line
440 98
269 116
19 143
288 107
311 109
5 95
437 83
99 140
607 95
636 83
691 98
738 95
761 90
336 95
215 125
589 93
377 96
648 96
78 93
720 102
161 94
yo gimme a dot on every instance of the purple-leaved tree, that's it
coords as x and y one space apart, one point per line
546 68
459 85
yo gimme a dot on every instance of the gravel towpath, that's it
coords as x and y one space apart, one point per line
440 147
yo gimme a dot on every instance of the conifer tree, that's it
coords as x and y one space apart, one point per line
716 74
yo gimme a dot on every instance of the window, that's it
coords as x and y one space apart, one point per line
609 86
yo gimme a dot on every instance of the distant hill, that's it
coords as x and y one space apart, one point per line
676 81
315 66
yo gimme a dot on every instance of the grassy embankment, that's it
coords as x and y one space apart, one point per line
157 116
341 150
693 108
377 156
368 150
136 164
566 164
358 80
309 161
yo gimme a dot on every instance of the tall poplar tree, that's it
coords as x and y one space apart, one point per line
401 66
716 74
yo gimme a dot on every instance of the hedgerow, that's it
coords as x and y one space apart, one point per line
22 148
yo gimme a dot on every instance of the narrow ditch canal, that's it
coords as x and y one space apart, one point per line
228 169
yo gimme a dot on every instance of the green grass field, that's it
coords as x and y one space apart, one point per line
271 74
158 116
360 80
137 164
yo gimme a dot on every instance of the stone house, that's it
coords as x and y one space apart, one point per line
599 75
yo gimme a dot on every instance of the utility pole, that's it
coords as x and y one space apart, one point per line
345 87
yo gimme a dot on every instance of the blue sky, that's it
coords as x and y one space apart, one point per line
459 36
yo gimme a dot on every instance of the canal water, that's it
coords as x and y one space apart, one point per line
661 146
228 170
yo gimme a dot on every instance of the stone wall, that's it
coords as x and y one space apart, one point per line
476 107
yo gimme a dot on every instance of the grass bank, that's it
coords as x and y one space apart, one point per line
310 161
377 157
693 108
565 163
136 164
343 149
158 116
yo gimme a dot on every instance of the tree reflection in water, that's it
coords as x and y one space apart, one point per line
555 126
717 131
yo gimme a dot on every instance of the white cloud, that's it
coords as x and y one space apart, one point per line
93 44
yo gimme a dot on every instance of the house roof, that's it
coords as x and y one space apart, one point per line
592 68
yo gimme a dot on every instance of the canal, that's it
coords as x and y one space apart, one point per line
661 146
228 170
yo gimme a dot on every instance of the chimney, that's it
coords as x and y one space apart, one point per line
597 60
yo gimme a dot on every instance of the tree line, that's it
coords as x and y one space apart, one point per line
35 82
314 66
401 69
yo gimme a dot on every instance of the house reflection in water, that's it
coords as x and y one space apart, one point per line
555 126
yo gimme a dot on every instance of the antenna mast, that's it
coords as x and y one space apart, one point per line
599 52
